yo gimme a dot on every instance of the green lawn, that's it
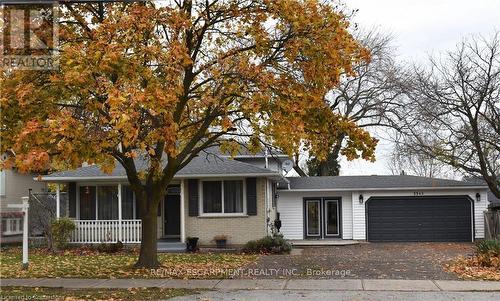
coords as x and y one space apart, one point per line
91 264
38 293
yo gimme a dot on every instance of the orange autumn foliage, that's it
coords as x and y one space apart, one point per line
147 74
167 80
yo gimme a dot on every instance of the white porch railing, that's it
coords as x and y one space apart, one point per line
99 231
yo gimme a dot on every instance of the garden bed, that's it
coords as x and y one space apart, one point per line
471 268
483 265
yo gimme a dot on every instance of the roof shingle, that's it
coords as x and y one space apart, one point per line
203 165
360 182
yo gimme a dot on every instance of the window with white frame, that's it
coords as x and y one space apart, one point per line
223 197
12 226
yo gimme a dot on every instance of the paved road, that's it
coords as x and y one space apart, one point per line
288 295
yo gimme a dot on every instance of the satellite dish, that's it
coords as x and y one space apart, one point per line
287 165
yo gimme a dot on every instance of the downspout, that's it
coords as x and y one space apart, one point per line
266 195
266 206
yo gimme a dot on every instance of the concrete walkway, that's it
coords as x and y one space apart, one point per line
268 284
294 295
322 242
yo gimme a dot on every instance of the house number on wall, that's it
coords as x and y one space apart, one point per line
418 193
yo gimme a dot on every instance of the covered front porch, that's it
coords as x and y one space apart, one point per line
106 212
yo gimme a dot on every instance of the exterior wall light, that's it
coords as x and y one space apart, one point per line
361 199
478 197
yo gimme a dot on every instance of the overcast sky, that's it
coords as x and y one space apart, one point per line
420 28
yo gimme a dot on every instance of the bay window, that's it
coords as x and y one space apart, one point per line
222 196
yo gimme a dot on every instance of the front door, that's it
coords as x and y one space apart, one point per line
172 216
321 217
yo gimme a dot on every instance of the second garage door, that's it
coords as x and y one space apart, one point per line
446 218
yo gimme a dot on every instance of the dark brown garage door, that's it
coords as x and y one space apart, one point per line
419 218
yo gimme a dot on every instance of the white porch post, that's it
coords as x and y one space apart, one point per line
183 228
25 207
120 230
58 201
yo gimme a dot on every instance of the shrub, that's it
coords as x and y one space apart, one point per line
61 232
488 247
269 245
488 253
110 247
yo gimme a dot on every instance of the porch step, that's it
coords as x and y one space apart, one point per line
174 247
321 242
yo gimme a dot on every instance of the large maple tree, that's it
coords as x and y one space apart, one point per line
168 81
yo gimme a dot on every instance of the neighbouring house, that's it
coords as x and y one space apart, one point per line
241 197
14 186
494 202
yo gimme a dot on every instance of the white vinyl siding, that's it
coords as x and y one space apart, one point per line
346 217
291 209
479 208
358 217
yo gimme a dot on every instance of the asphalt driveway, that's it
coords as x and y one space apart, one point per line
365 260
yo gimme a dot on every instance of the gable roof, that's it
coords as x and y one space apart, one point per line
202 166
494 202
372 182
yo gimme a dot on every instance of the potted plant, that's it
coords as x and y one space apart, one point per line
191 244
220 241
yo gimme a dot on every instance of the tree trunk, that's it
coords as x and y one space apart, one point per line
148 256
331 167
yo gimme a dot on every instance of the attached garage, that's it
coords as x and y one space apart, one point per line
423 218
383 208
